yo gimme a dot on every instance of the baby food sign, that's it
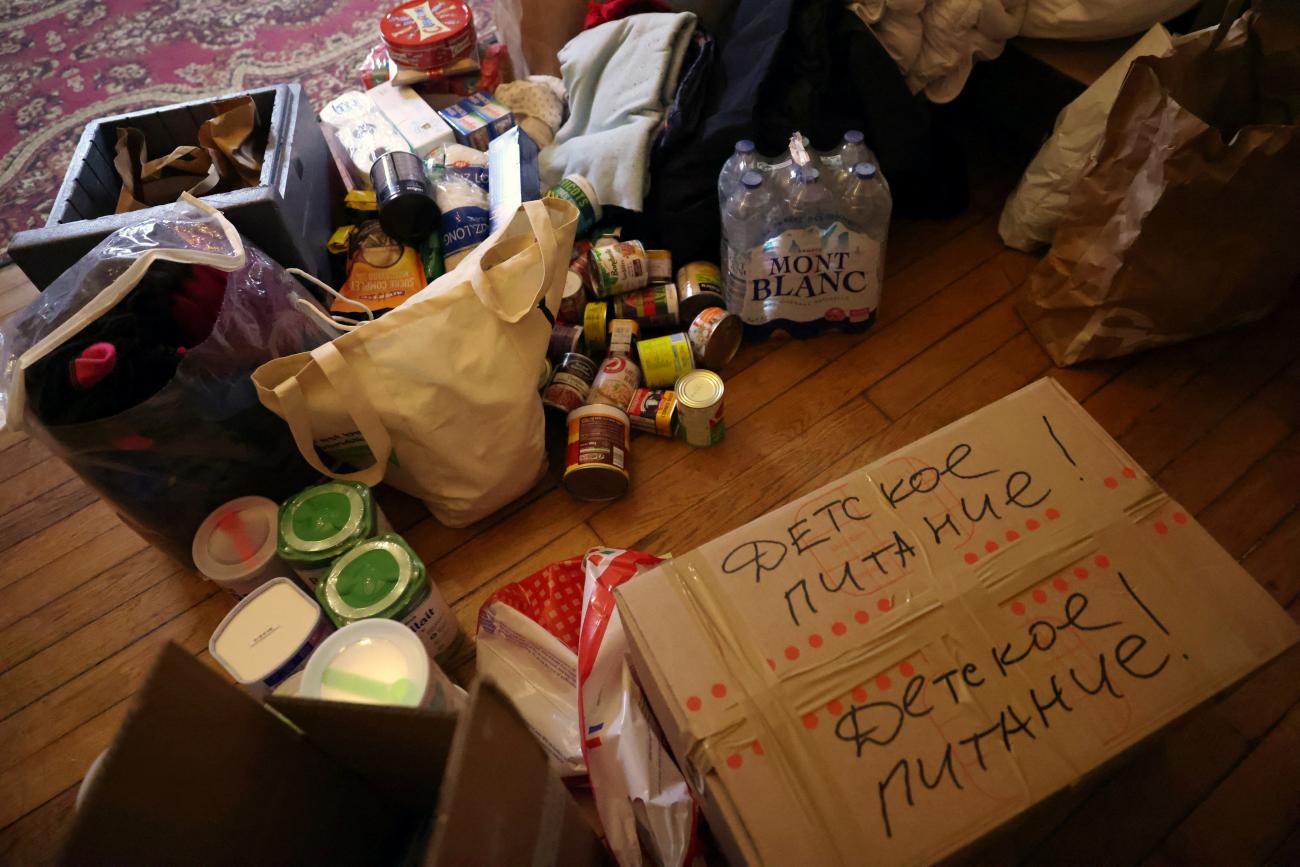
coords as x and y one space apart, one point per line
905 659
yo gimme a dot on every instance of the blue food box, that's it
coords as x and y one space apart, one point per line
478 119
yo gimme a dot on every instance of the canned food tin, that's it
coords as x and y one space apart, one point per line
615 382
715 337
595 465
622 332
699 286
594 319
653 308
653 411
571 384
577 190
564 339
699 408
659 263
617 268
383 577
427 34
665 359
544 377
574 301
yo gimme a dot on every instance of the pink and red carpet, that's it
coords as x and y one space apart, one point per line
64 63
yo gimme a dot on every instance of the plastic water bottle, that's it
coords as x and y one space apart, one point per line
809 197
867 204
743 159
853 150
745 226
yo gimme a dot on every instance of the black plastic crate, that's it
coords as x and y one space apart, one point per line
287 215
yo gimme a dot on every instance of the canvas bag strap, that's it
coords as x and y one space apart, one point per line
512 299
342 379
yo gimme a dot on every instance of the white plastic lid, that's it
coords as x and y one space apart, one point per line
369 662
237 540
264 631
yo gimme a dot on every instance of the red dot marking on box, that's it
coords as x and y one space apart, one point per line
1039 596
1162 527
1081 573
810 720
1102 561
814 640
1017 608
1111 482
884 605
835 707
1060 584
883 682
838 628
1052 514
771 663
971 557
1130 473
758 748
859 694
693 703
1031 525
1012 535
734 760
990 546
719 690
1180 518
861 616
907 669
792 653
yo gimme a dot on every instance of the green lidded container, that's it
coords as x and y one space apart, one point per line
383 577
318 524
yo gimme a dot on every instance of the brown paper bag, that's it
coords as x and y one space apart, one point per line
227 157
1187 219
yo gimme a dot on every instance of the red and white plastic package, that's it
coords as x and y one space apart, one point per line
528 643
647 810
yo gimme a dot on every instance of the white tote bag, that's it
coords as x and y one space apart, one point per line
439 397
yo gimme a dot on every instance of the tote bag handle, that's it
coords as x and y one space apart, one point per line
342 379
512 299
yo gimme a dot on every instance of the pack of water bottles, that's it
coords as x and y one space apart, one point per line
803 236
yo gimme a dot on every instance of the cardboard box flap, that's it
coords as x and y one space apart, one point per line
177 781
910 656
499 782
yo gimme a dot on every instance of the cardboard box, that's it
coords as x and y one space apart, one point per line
201 772
887 669
477 120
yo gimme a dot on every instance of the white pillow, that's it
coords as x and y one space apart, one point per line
1097 19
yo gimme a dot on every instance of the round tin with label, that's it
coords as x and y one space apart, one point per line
427 34
320 523
268 636
578 191
653 411
571 383
715 337
665 359
594 324
654 308
595 465
615 382
234 547
699 408
618 267
383 577
564 339
699 286
573 303
659 263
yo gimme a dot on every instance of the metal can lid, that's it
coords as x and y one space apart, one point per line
699 389
419 23
376 578
600 409
323 517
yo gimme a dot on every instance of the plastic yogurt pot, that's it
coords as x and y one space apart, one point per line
268 636
383 578
317 525
234 547
369 662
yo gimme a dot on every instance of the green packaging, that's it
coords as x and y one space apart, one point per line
319 524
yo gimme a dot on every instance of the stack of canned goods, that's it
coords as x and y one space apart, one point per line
634 349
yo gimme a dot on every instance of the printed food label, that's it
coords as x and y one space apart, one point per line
425 21
803 275
433 622
463 228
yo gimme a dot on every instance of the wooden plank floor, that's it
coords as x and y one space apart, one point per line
85 604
